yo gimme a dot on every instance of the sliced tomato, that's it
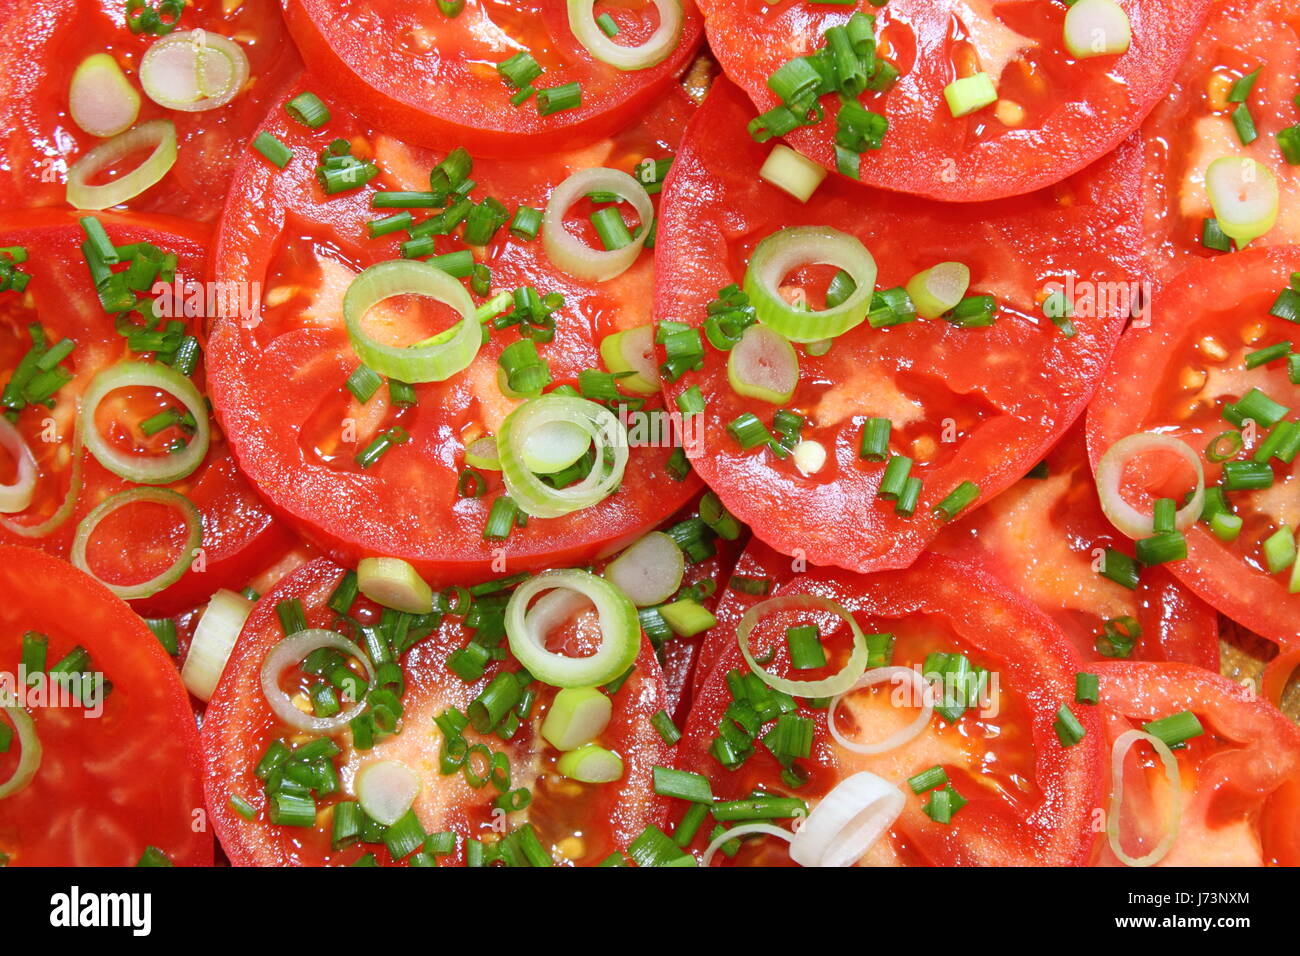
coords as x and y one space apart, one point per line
979 405
278 381
1054 116
1175 376
139 541
1239 778
432 79
1043 536
43 42
1193 126
118 775
1030 798
578 823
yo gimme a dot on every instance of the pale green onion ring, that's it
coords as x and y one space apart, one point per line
17 496
66 507
292 651
582 21
1123 744
567 251
781 253
481 453
161 134
1110 474
146 470
882 675
161 496
620 631
833 686
433 360
28 741
744 830
178 71
529 492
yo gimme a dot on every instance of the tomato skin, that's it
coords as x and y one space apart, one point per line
471 107
1244 772
929 371
241 536
110 786
926 151
1050 824
1139 392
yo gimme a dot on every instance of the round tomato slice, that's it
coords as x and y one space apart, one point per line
577 823
1177 376
966 404
1239 777
279 379
1044 536
1054 114
45 40
139 541
118 771
1194 125
432 79
1029 799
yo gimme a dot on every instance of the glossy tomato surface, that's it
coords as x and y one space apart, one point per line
432 79
116 776
140 540
1030 799
1055 114
278 379
966 404
43 41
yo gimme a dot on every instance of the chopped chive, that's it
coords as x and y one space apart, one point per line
957 500
928 780
272 149
1068 729
558 98
308 109
363 383
1086 688
1175 729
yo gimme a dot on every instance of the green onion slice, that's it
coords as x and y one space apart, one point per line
1110 474
193 71
1245 197
1123 744
848 821
571 255
17 495
763 365
66 507
650 571
214 639
735 833
161 496
835 685
433 360
781 253
291 652
881 675
101 100
160 134
30 760
656 49
482 453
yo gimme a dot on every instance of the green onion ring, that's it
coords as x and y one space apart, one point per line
1110 476
30 745
582 21
788 249
433 360
572 255
17 496
161 496
833 686
66 507
160 133
154 470
1173 820
170 63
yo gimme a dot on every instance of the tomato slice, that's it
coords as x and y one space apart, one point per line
1239 778
1042 536
43 42
579 823
979 405
1176 376
1056 114
239 534
1193 126
393 62
110 782
278 382
1030 799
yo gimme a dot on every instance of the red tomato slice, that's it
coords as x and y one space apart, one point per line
1056 114
1239 778
1176 376
239 534
580 823
1192 127
1030 799
111 784
1042 537
979 405
43 42
432 80
278 381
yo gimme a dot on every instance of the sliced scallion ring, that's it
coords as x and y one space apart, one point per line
160 496
482 453
193 70
386 789
1097 28
939 288
763 365
1245 197
291 652
620 631
101 100
832 686
554 446
572 255
650 571
30 747
881 675
146 470
17 495
633 350
1110 476
434 360
66 507
1173 821
781 253
214 639
608 440
744 830
160 134
848 821
660 45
